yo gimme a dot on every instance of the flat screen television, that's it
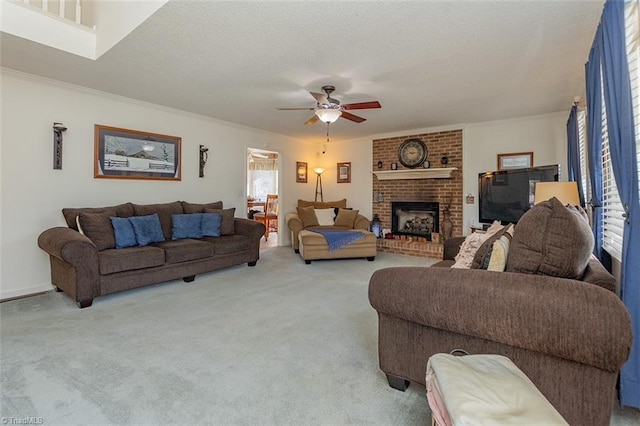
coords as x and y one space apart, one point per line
506 195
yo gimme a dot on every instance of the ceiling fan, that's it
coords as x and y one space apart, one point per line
328 110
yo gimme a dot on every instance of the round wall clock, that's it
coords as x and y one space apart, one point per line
412 153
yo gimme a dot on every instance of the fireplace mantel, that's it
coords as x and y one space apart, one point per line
435 173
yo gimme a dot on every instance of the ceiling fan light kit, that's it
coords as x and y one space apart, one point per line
328 110
328 115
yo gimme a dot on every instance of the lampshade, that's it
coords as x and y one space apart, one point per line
328 115
566 192
319 170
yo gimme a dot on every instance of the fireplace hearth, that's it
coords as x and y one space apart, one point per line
415 218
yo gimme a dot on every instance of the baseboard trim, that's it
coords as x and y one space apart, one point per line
7 296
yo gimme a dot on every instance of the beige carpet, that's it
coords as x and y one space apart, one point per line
281 343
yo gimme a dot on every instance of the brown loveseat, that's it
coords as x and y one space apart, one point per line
304 226
295 223
88 265
570 336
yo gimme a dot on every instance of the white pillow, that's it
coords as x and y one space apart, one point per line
325 216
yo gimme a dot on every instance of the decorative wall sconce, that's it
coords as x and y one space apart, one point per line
319 171
203 159
58 128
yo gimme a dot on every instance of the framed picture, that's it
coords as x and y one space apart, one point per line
344 172
301 172
132 154
515 160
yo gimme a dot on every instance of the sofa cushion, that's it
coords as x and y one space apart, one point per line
164 211
346 218
550 239
308 216
326 217
128 259
200 208
229 244
211 224
227 224
97 227
71 214
184 250
323 204
468 249
186 226
124 234
147 229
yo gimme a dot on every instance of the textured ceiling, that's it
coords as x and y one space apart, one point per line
429 63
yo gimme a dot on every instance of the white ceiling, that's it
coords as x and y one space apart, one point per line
429 63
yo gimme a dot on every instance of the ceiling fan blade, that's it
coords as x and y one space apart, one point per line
352 117
363 105
295 109
312 120
320 98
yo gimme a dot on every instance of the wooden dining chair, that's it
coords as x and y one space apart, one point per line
270 215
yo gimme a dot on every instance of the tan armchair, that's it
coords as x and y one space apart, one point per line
294 223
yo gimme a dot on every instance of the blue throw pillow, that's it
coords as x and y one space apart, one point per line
123 232
211 223
186 226
147 229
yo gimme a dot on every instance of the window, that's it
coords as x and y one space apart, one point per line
613 219
582 152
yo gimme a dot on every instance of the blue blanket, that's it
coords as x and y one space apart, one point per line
337 239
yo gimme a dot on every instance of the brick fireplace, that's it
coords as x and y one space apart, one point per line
444 191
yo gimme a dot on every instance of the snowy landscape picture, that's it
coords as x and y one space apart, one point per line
131 154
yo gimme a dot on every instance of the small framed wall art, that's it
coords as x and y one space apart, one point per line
132 154
515 160
301 172
344 172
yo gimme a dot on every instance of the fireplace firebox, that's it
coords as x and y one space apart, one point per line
416 218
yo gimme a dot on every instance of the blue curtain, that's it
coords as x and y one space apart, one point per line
594 130
617 96
573 152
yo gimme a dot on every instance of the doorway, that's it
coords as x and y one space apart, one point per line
262 180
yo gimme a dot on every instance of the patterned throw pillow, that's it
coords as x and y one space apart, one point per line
492 255
500 252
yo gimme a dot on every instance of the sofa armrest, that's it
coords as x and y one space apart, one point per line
64 243
452 247
362 223
75 266
560 317
252 229
294 223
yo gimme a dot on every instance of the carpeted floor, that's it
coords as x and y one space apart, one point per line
281 343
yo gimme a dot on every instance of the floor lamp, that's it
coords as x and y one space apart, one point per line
319 171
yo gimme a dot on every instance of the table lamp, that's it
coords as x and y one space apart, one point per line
566 192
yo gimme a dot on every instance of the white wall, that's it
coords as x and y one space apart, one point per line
33 194
545 135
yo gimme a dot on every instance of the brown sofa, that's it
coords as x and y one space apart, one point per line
570 336
88 265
